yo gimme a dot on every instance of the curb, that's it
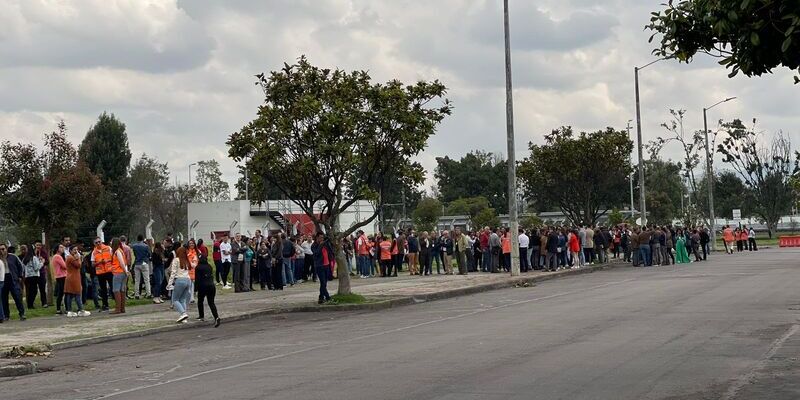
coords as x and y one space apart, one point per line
387 303
16 368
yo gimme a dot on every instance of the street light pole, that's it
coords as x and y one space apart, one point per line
190 174
710 176
512 164
642 203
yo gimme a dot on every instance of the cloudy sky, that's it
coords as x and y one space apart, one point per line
180 73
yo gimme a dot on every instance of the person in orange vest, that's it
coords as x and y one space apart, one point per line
192 253
728 239
120 275
101 260
362 254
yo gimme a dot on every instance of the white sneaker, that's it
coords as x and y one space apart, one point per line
71 314
84 313
226 287
183 318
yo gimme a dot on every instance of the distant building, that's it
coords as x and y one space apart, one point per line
270 217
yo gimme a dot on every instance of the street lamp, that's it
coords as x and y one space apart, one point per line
512 164
190 174
642 205
710 176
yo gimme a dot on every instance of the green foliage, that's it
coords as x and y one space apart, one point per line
328 138
351 298
260 190
751 36
530 221
427 214
664 189
584 174
208 184
477 174
615 217
105 151
765 170
149 180
729 193
48 191
486 217
467 206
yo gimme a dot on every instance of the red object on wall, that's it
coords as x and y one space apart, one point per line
789 241
304 224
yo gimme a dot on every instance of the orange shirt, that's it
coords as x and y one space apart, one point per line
506 243
386 250
102 259
193 261
117 266
727 235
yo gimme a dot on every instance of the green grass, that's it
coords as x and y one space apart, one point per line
351 298
51 310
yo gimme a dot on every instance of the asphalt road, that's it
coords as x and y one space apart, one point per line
723 329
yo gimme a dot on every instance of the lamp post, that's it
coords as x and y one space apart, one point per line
710 176
642 204
512 164
190 174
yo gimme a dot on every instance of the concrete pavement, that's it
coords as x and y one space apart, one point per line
726 329
58 332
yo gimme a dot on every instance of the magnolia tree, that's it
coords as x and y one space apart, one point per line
329 138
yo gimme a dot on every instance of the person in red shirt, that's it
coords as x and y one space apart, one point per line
486 258
217 256
385 247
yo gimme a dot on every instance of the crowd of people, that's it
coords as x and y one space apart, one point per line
182 274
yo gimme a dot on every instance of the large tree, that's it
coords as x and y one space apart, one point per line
149 179
477 174
729 193
585 174
329 138
751 36
765 170
426 214
209 185
105 151
664 189
259 189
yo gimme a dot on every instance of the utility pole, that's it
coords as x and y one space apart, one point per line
710 177
512 163
630 176
642 202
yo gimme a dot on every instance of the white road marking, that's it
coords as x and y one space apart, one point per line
356 339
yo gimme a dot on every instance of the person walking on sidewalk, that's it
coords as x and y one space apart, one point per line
323 255
204 283
72 284
179 283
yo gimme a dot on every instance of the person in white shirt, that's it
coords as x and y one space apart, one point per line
225 251
524 241
751 239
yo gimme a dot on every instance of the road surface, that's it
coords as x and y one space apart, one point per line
723 329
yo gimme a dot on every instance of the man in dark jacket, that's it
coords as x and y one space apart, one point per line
323 256
552 250
12 283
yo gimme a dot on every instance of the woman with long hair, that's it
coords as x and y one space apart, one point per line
180 283
30 265
60 272
194 259
120 275
72 283
157 259
204 282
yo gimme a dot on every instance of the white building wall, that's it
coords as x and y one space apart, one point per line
218 216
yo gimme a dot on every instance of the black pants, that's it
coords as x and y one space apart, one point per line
322 273
588 254
535 258
217 271
31 289
13 288
425 262
206 292
105 281
753 246
277 277
386 267
59 292
264 274
42 289
226 269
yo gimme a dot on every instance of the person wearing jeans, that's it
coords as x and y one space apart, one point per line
287 249
323 255
180 283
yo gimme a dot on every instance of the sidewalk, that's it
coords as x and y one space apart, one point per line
53 333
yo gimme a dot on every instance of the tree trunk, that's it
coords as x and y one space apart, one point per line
341 267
